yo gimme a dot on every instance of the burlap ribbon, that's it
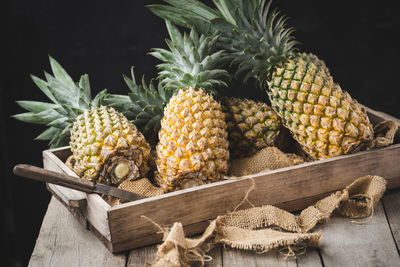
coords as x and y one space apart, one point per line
269 158
264 228
384 134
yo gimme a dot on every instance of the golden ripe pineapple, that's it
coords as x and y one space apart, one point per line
193 145
325 120
106 147
252 126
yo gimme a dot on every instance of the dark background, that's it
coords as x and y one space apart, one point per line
104 38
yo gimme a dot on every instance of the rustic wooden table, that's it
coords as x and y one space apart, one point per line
63 241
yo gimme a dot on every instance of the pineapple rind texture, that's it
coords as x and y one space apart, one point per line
252 126
193 146
323 118
100 139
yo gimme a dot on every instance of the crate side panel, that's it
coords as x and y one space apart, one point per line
274 187
93 206
96 214
70 196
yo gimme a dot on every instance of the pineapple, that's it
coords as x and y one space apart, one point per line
252 126
322 117
193 145
145 108
106 147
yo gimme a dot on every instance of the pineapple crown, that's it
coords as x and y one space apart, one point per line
191 61
69 99
144 106
256 38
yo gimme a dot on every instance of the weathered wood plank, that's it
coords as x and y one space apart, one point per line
283 185
391 204
51 162
293 188
216 257
234 257
96 214
345 243
92 206
310 259
141 256
63 241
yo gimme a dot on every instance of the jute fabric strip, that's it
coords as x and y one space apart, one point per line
261 229
384 133
269 158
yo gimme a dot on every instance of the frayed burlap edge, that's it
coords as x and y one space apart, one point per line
384 134
261 229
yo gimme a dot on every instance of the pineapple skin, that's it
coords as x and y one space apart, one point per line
252 126
101 138
193 146
322 117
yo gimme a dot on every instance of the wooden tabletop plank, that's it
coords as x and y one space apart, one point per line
345 243
63 241
234 257
310 259
216 257
141 256
391 203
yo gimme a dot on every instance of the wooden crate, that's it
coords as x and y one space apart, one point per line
122 227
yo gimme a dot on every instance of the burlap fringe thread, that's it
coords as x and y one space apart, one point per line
261 229
269 158
384 133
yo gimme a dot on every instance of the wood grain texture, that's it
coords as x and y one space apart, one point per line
310 259
291 188
96 214
391 204
216 257
63 241
283 185
92 206
378 116
77 212
51 161
345 243
233 257
141 256
66 243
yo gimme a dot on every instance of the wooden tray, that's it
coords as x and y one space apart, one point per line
122 228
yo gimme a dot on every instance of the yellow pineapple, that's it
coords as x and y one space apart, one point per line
193 145
322 117
252 126
106 147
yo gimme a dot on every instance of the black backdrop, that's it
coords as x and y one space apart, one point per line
104 38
